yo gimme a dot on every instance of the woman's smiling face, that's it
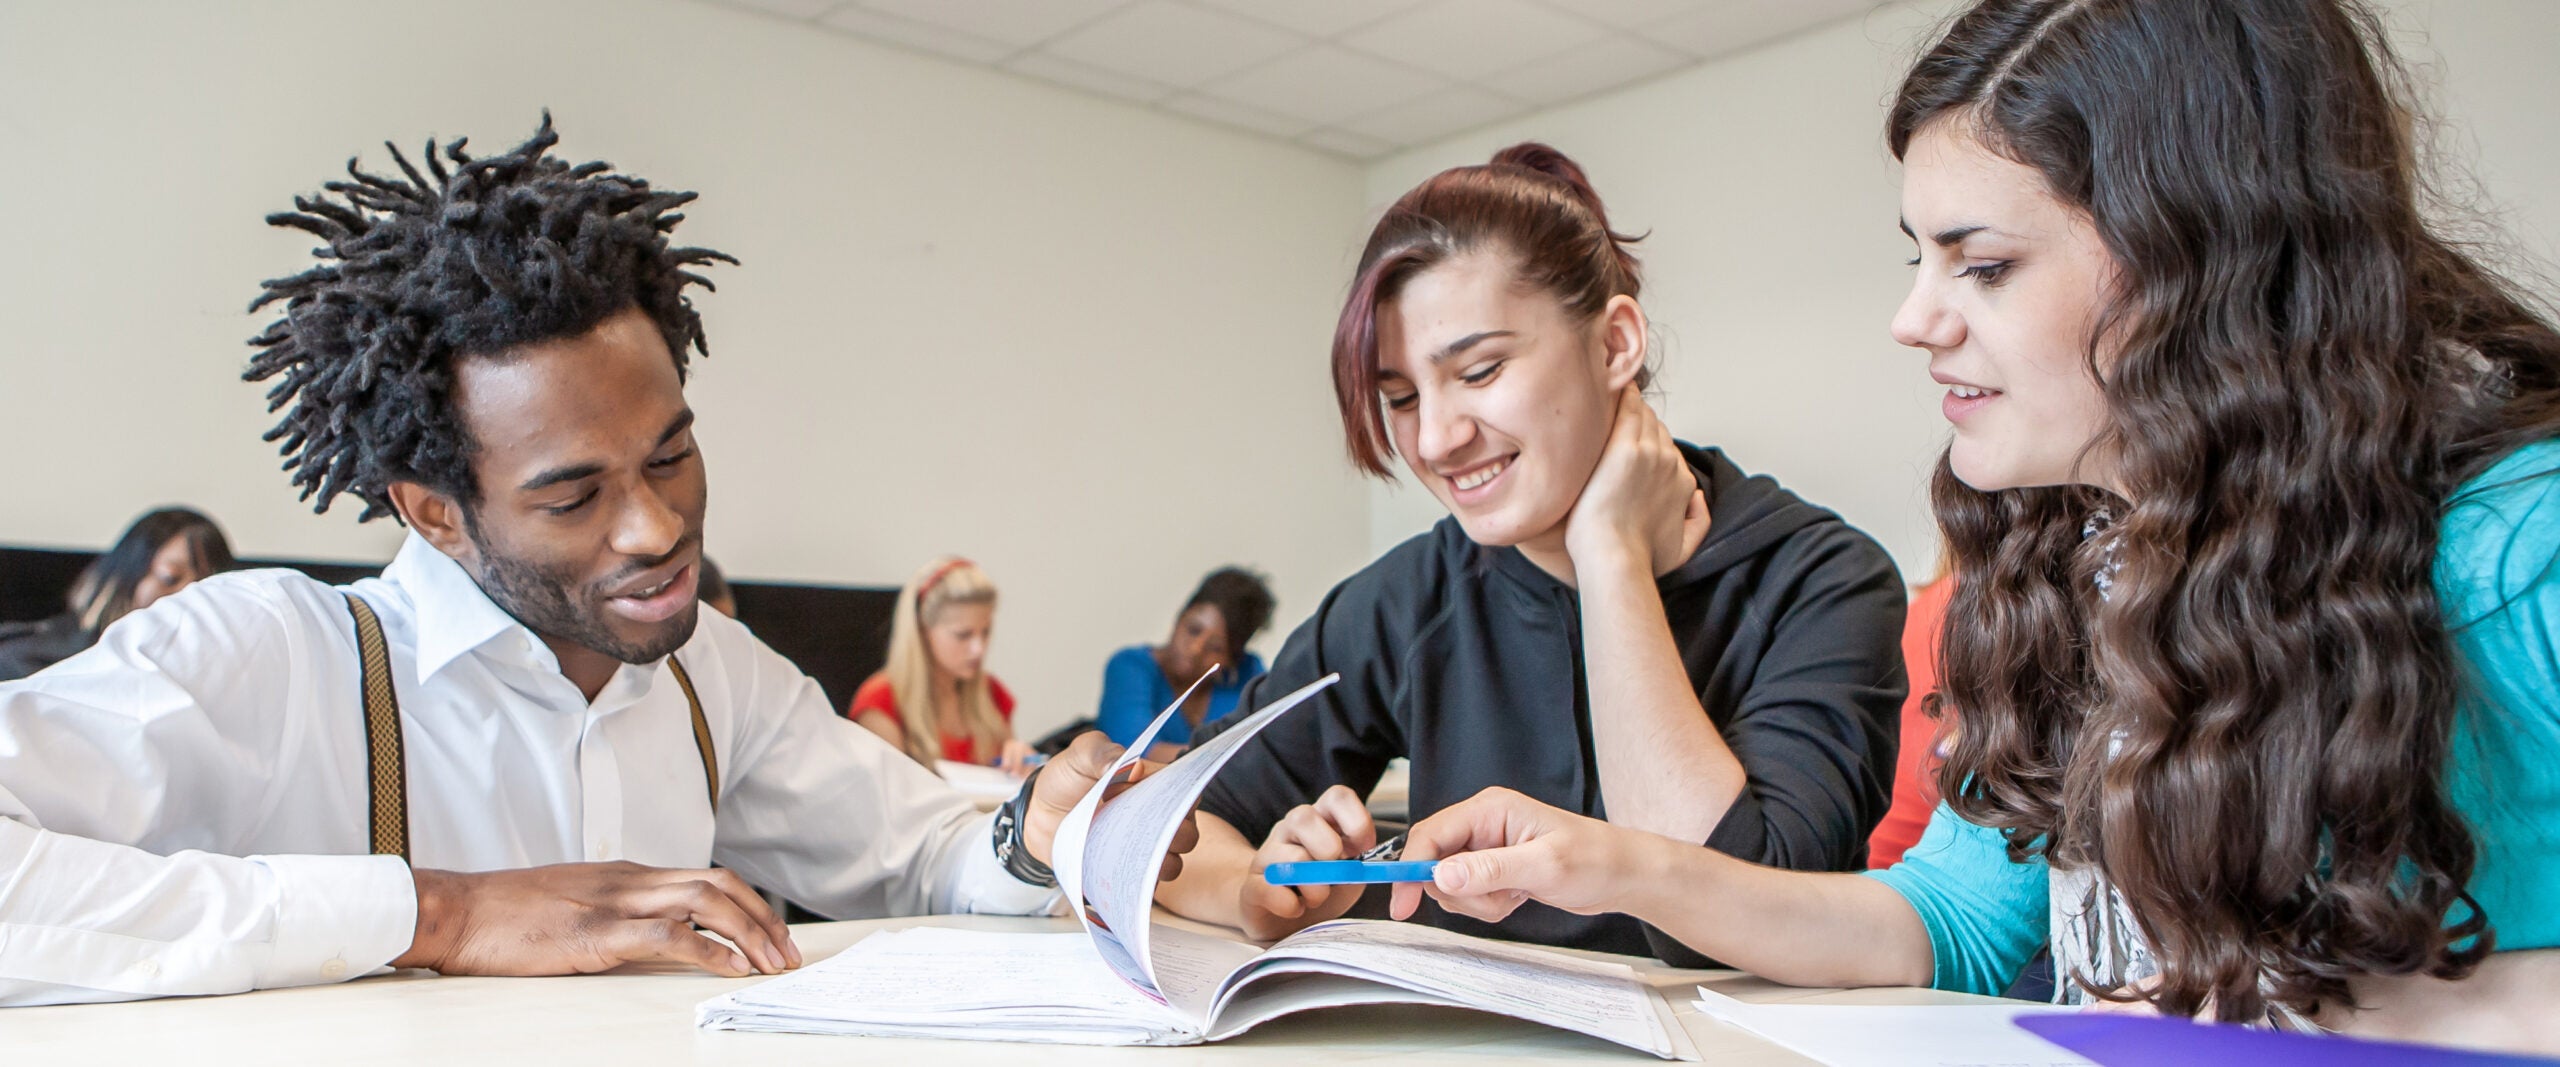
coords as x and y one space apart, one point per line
2009 288
1498 400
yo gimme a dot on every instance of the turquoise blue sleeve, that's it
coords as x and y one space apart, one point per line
2498 580
1986 916
1129 701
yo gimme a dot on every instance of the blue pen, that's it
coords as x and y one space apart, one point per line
1348 872
1378 866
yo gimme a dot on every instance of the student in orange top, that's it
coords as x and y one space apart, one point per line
1924 731
935 699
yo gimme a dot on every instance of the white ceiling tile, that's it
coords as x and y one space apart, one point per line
1173 44
1607 63
1325 85
890 29
1241 116
1435 116
1315 18
1076 75
1394 73
1020 23
1346 143
792 9
1473 39
1738 24
1630 14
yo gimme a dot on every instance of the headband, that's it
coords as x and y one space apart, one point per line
926 589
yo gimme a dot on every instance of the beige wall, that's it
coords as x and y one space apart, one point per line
1773 263
1065 336
1077 340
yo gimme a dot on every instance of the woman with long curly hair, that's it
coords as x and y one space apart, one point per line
2252 488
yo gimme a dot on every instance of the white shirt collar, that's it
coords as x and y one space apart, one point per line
452 614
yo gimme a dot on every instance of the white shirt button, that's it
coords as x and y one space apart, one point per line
334 969
146 968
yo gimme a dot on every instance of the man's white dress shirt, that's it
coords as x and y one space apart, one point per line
183 808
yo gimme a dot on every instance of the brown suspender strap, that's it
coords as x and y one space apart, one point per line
385 760
701 735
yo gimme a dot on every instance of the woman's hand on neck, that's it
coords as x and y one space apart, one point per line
1641 509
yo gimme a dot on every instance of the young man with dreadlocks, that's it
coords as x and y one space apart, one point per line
525 720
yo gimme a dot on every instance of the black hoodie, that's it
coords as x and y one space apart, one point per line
1468 660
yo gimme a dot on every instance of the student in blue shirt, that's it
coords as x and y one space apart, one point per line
2255 486
1231 605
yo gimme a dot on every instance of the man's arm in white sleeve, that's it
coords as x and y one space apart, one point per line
84 921
829 815
121 764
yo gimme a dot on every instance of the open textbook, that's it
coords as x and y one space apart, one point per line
1125 981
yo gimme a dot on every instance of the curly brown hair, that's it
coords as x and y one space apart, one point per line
2247 733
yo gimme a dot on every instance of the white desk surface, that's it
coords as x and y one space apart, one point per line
636 1018
1392 798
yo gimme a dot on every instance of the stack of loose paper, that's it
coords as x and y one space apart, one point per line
1935 1035
976 782
937 982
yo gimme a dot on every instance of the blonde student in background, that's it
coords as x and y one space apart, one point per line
2255 491
935 699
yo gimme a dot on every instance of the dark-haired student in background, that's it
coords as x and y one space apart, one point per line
1230 607
714 590
162 552
1610 620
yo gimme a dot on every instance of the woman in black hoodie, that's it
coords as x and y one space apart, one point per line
1610 621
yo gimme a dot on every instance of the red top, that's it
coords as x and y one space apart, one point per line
1915 769
876 695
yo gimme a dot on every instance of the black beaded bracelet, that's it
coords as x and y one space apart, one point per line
1010 851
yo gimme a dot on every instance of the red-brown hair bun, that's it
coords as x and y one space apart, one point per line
1530 202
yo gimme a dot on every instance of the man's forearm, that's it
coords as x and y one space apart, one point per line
101 921
1213 873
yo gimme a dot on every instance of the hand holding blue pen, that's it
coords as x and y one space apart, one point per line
1334 828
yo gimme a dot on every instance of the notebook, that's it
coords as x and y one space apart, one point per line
2138 1041
1127 981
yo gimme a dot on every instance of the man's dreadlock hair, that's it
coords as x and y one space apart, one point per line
467 261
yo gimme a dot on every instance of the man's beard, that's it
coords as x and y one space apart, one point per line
546 602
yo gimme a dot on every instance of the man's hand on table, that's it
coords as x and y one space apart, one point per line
580 918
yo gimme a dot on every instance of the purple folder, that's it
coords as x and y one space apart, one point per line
2143 1041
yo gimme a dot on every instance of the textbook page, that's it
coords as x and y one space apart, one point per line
1192 968
1067 857
1932 1035
1125 846
1604 1000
